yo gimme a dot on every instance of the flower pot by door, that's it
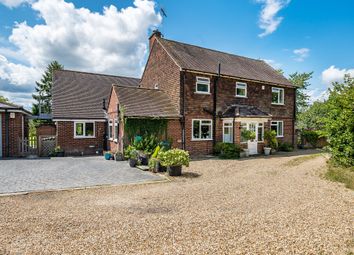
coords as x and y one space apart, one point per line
174 170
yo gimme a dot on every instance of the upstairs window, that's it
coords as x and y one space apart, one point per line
241 89
202 85
278 127
84 129
277 96
202 129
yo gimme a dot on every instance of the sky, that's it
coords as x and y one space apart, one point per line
112 36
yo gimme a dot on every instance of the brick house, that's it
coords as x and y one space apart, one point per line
13 127
78 112
206 95
216 95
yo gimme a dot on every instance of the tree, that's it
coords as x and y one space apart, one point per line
312 118
339 121
43 95
301 81
4 99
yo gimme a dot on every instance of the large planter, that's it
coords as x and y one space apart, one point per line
59 154
247 152
160 168
119 157
144 159
133 162
108 156
174 170
267 151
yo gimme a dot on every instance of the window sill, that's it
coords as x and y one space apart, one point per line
277 104
241 96
280 136
84 137
201 140
202 93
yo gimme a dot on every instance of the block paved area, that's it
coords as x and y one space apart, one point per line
23 175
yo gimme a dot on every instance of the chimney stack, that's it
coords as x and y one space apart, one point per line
155 34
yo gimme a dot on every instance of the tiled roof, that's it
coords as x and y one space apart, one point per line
239 110
196 58
79 95
146 103
11 106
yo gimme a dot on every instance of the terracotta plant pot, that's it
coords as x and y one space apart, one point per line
174 170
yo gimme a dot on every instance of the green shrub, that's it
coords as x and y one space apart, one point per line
230 151
310 136
248 135
174 157
128 150
146 143
286 147
270 138
218 148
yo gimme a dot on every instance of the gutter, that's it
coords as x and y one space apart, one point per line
216 81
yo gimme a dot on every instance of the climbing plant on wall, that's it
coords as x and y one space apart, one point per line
142 127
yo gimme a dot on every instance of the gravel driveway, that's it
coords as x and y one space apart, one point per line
254 206
22 175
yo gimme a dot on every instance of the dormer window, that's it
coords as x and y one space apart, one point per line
241 89
202 85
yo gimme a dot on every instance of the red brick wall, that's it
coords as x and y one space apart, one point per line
160 69
79 146
46 130
174 132
113 115
15 133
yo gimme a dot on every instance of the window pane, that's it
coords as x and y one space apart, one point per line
281 96
275 97
89 129
79 129
241 92
275 128
206 80
202 87
116 130
196 125
260 132
206 132
243 127
280 128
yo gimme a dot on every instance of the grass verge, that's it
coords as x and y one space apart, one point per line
300 160
340 174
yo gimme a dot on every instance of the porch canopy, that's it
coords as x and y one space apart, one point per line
244 111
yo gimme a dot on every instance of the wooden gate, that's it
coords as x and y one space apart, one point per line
28 147
46 145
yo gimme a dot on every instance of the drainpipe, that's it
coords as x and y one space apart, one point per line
216 80
183 108
7 133
294 118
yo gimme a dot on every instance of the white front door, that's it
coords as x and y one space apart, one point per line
252 144
228 132
0 136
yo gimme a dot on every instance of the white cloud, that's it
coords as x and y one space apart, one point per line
273 63
317 95
334 74
114 41
14 3
301 54
268 20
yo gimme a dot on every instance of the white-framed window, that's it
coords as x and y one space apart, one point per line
84 129
260 132
277 95
278 127
241 89
202 129
202 85
110 129
116 130
257 127
228 132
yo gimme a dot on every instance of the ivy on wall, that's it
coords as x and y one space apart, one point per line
133 127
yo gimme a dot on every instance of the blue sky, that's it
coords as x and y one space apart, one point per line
296 36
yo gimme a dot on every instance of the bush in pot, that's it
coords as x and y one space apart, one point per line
174 160
133 158
270 141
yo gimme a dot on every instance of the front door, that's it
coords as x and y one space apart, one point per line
228 132
252 144
0 136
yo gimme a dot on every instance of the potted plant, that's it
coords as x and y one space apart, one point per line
174 160
58 152
108 155
247 135
133 158
270 141
118 156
